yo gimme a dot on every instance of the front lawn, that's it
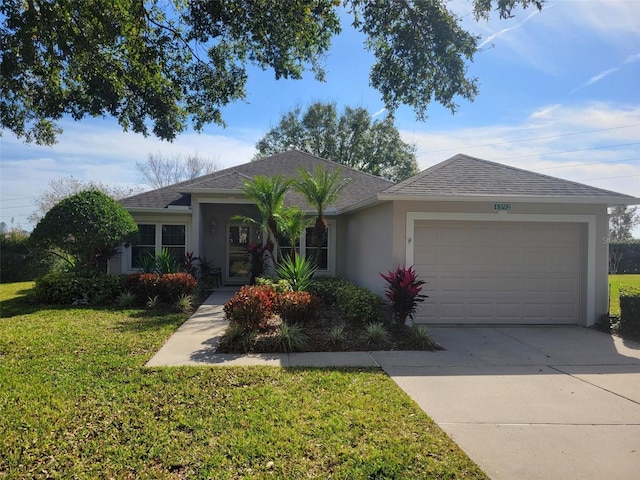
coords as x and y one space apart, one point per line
614 287
77 402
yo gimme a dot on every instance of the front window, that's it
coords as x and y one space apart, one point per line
146 245
319 255
153 238
173 239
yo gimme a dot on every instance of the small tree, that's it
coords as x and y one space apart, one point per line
321 190
622 221
88 227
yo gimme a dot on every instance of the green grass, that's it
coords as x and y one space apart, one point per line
77 402
614 282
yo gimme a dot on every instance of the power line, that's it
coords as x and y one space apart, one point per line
570 151
584 164
546 137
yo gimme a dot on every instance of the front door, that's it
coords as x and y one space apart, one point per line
238 266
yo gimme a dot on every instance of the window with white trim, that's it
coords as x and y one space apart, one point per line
320 254
152 238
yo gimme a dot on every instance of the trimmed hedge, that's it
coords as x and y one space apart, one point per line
18 262
65 288
355 304
629 309
168 287
624 257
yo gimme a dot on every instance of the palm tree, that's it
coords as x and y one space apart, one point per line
320 189
268 195
293 224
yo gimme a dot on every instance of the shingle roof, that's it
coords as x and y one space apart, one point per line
463 175
360 187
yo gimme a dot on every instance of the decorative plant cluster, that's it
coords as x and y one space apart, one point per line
403 291
168 287
251 307
333 314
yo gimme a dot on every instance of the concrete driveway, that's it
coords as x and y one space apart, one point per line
531 402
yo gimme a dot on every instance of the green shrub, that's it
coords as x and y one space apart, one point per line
337 334
290 338
358 305
251 307
59 288
327 288
629 309
375 333
19 262
184 304
237 340
421 337
126 299
64 288
277 285
297 307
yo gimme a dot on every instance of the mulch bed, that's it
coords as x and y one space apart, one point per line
317 332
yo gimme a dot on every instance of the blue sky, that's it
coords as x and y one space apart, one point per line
559 95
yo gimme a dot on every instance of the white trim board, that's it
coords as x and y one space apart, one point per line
590 220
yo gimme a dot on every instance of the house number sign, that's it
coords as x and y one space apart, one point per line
502 207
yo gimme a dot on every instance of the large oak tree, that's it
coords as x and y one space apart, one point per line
158 66
352 138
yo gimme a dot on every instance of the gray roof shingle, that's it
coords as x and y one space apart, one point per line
360 187
463 175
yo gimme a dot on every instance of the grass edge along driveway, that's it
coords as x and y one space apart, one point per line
77 402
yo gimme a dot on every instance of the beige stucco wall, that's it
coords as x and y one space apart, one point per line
370 238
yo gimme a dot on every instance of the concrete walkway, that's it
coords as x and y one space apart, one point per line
524 403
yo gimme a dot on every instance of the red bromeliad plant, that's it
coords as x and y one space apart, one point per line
403 291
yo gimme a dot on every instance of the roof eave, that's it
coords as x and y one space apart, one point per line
593 200
166 211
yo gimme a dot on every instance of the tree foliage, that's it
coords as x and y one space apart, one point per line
161 171
61 188
320 189
352 138
158 66
622 221
88 226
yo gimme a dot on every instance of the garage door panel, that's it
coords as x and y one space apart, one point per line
498 272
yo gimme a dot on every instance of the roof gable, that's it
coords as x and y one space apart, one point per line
463 175
360 187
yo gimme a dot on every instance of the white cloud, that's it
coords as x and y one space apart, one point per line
596 144
100 151
502 32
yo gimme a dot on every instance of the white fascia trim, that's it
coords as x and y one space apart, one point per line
165 211
203 200
611 201
590 220
212 191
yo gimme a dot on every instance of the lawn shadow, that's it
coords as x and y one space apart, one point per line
147 320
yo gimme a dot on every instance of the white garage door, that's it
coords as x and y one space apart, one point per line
498 272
